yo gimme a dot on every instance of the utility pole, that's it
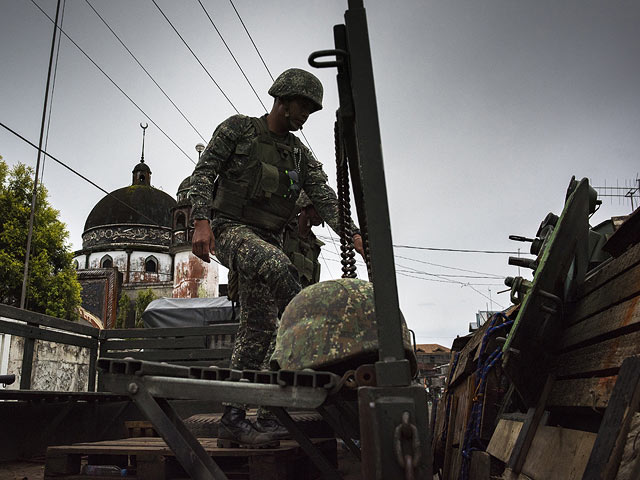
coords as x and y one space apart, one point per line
25 279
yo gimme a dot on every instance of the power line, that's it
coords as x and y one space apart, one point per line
251 38
232 55
195 56
265 66
488 275
60 162
462 250
114 83
413 247
145 70
53 88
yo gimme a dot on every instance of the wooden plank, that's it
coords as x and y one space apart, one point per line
27 363
558 452
448 450
168 355
625 315
225 328
34 332
601 357
480 467
630 462
155 343
144 445
621 288
624 403
46 320
627 234
610 270
504 438
582 392
528 432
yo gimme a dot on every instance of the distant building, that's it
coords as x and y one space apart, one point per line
481 317
143 236
431 357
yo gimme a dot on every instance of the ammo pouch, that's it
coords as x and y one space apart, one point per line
306 263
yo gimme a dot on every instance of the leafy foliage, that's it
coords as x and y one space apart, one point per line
145 297
53 287
124 307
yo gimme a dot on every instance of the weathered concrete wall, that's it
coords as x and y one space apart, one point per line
194 278
160 289
119 258
56 367
138 274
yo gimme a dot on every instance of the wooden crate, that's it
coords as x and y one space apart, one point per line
149 458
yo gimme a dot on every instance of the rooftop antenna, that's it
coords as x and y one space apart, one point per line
144 129
630 191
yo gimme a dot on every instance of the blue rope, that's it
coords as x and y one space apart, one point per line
472 433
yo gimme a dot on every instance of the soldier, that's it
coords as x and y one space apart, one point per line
258 169
301 245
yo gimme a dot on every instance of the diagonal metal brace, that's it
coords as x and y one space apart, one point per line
315 455
189 452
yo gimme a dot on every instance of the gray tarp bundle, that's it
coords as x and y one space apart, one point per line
188 312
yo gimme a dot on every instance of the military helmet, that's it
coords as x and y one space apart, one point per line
297 82
331 326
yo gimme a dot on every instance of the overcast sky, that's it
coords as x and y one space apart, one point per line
487 108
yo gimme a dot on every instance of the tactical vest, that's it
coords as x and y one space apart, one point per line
304 256
264 195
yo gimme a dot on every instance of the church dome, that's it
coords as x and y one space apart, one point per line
150 207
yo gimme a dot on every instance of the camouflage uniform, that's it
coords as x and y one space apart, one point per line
266 277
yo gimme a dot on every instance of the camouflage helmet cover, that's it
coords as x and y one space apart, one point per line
297 82
331 324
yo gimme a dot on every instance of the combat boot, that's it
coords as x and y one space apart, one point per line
236 431
272 427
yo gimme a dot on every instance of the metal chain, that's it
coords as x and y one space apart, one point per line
344 206
409 460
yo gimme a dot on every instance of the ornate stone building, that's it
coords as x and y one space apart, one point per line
144 236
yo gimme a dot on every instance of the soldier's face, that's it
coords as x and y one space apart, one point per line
299 110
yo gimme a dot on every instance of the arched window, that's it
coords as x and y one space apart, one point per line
106 262
151 264
181 221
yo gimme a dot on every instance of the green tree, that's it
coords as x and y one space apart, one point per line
53 287
124 307
145 297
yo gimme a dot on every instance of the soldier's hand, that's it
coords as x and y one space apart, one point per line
358 245
203 242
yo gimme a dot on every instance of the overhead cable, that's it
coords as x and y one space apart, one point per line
265 66
232 55
114 83
194 55
251 38
488 275
53 88
462 250
145 70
